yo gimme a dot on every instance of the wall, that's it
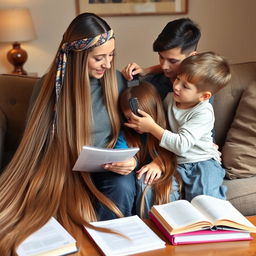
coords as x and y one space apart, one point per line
227 28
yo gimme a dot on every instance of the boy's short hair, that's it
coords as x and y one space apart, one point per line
181 33
208 71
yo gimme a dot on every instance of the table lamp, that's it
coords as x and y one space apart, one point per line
16 26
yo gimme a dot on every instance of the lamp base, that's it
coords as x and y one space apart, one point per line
17 57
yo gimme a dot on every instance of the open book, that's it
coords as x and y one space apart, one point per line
204 212
92 158
139 237
50 240
202 236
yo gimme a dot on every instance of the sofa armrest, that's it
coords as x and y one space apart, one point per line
15 92
2 135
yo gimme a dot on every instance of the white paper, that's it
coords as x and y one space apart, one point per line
141 237
51 239
91 159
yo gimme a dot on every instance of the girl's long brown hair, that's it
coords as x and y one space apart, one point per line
39 182
151 103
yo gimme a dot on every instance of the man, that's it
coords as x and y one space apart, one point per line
177 41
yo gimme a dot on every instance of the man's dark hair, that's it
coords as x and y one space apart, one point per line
181 33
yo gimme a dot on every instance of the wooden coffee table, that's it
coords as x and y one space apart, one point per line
238 248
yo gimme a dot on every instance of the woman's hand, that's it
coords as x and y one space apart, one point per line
123 168
152 172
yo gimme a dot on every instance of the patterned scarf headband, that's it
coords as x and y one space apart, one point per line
79 45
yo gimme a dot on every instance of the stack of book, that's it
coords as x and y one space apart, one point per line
206 219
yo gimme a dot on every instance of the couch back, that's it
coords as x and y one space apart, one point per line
15 92
227 100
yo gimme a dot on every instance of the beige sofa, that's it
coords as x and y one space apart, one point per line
15 92
235 111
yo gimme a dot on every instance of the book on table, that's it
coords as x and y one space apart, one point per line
137 236
205 219
50 240
202 236
91 158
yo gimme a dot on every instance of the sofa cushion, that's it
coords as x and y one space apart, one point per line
238 153
242 194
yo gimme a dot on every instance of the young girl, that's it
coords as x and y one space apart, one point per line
77 105
157 179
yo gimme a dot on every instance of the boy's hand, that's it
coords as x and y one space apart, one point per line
141 124
145 123
219 153
123 168
152 173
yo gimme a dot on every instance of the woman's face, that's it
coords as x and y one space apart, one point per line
100 58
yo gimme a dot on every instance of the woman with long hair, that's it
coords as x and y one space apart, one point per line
157 179
77 105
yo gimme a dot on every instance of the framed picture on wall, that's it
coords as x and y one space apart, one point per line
132 7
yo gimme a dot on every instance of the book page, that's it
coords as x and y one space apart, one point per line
92 158
180 213
218 209
141 237
52 236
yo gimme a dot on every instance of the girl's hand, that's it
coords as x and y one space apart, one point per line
132 69
152 173
123 168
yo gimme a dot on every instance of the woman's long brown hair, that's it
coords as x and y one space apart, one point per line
39 182
151 103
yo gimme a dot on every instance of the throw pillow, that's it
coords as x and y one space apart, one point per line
239 151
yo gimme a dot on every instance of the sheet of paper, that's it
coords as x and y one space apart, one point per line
141 237
51 237
91 158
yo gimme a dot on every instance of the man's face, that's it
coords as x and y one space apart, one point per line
170 61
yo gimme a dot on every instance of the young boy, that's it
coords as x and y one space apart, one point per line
191 120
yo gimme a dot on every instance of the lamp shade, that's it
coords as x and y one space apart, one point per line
16 25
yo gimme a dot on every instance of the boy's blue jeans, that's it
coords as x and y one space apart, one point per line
203 178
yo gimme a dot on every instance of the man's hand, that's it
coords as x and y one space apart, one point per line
132 69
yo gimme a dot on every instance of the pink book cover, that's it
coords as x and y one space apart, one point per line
202 236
